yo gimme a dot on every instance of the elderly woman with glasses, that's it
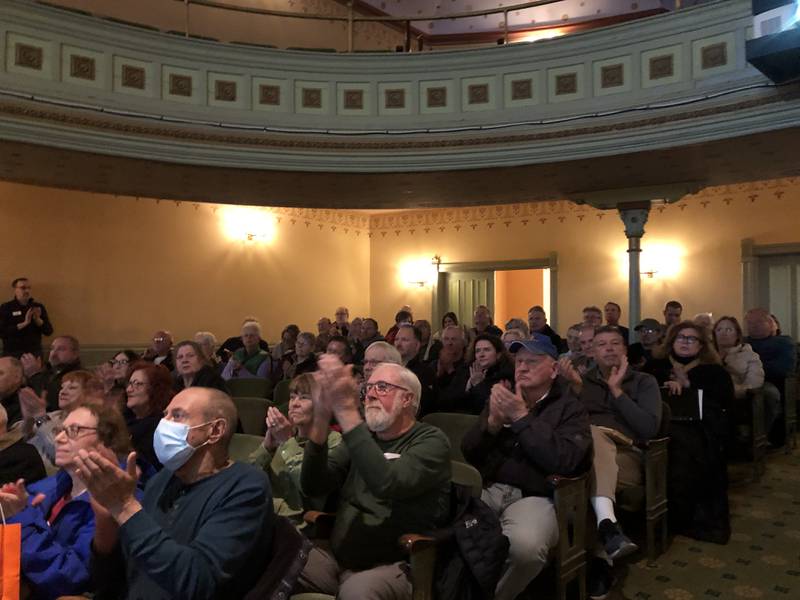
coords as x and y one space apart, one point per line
689 369
55 515
39 427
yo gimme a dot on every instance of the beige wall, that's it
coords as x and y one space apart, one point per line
515 292
706 229
168 15
115 269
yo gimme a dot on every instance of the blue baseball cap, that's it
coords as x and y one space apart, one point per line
538 344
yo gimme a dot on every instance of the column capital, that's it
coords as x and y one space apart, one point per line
634 220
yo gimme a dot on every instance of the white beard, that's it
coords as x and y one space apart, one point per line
379 419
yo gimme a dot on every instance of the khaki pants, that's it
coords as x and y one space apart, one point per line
615 465
323 575
532 530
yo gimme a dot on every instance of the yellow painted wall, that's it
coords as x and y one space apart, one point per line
223 25
515 292
114 269
707 230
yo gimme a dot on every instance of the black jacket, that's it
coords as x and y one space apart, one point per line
427 380
205 377
555 438
19 460
11 404
17 342
557 340
476 397
472 550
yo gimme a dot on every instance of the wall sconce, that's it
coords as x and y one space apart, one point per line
247 224
417 272
417 283
650 274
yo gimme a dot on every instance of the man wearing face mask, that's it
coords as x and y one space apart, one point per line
204 528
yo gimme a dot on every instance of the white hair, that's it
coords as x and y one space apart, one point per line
390 353
205 337
252 325
409 380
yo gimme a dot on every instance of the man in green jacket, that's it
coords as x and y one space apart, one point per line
393 473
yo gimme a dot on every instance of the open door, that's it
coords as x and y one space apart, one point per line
463 291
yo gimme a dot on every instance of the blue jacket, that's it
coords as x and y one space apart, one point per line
55 557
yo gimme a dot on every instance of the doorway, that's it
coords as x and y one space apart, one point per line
508 288
771 279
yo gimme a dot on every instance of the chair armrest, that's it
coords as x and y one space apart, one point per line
570 499
560 482
655 443
322 523
421 550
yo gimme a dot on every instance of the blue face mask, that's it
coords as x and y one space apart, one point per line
171 445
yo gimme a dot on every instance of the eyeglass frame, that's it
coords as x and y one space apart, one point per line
374 385
66 430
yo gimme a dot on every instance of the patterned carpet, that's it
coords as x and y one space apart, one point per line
762 560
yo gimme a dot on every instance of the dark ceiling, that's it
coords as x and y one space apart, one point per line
748 158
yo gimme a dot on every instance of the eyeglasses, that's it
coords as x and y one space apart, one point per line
72 431
158 340
689 339
137 385
120 362
649 330
384 387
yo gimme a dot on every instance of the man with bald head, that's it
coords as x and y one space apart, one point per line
204 527
392 473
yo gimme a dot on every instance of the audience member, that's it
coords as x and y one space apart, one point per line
11 379
592 315
705 319
23 322
370 332
114 375
689 367
513 335
403 316
583 361
573 341
489 363
672 313
324 333
452 371
192 369
55 513
613 312
160 350
249 361
520 325
342 321
537 323
449 319
204 527
523 435
305 361
378 353
482 319
393 474
778 355
624 406
18 459
40 427
232 344
338 345
280 455
64 357
430 347
650 333
208 343
739 358
288 340
408 342
149 391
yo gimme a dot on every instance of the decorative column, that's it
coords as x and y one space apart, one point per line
634 216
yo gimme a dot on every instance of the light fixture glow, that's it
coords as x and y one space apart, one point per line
417 272
658 260
248 224
540 34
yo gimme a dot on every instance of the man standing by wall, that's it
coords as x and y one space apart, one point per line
23 322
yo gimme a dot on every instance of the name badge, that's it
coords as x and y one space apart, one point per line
390 455
16 313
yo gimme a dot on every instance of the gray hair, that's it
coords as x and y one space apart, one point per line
308 336
205 337
252 325
390 353
511 335
409 380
